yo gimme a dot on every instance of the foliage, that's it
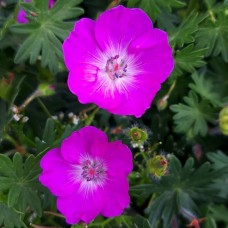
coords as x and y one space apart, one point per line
184 188
19 180
37 111
192 117
45 31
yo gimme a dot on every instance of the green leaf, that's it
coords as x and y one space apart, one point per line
3 114
122 221
150 7
184 33
6 166
27 196
154 7
20 180
219 213
45 32
193 116
10 218
213 36
5 183
187 59
49 132
13 195
184 188
219 159
205 88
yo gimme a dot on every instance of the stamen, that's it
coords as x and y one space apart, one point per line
93 170
116 68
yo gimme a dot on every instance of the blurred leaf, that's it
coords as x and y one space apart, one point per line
122 221
154 7
10 218
49 132
219 213
3 114
219 159
192 116
213 36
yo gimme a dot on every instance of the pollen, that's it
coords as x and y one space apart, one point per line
116 67
93 170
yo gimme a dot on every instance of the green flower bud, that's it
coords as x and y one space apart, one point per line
157 166
138 136
162 103
46 89
223 120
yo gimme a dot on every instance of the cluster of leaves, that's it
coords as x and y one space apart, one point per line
187 126
180 191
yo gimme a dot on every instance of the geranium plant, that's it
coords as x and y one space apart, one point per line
113 113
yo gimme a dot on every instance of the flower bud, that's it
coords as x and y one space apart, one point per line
223 120
46 89
138 136
157 166
162 103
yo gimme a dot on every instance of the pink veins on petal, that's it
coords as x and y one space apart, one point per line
118 62
88 175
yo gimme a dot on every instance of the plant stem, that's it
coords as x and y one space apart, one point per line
54 214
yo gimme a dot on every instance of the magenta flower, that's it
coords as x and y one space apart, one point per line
21 16
88 175
118 62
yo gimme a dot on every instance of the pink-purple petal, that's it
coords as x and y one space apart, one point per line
57 175
83 81
80 47
81 196
80 143
155 54
146 89
81 206
117 197
71 207
21 17
118 155
120 26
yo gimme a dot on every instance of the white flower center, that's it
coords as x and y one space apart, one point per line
93 170
118 70
90 173
116 67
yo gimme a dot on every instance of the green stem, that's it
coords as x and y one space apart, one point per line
89 120
54 214
28 100
44 108
11 139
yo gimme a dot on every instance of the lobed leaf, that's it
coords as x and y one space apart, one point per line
192 116
45 32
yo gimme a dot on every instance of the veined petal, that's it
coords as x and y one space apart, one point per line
117 197
80 47
154 54
140 97
57 174
120 26
80 143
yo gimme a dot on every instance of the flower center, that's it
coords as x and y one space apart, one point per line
116 67
93 170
